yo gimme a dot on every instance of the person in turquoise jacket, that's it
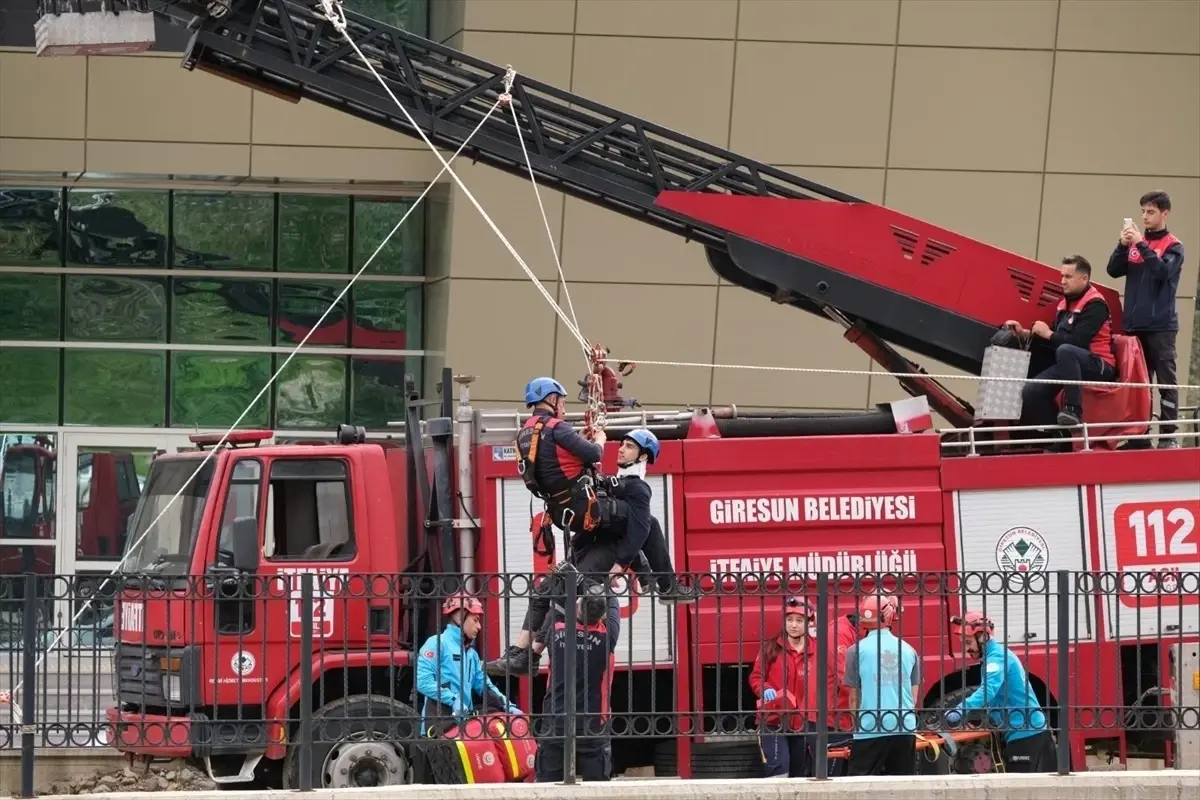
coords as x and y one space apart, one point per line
450 672
1007 696
883 674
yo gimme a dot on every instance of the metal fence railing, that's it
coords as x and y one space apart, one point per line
317 677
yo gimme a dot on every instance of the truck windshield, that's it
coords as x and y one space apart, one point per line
167 546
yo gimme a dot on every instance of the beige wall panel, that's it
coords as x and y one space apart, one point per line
446 18
970 109
885 388
1184 346
168 158
753 330
812 103
1000 208
699 19
276 121
486 337
863 183
601 245
42 97
42 155
510 202
678 326
1083 213
682 84
342 163
979 23
1091 132
543 57
531 16
1172 26
186 106
839 21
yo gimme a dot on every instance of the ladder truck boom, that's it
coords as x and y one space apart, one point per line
886 277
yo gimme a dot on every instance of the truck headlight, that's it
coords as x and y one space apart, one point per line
173 688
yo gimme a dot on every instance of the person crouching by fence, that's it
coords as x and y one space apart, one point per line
785 680
597 629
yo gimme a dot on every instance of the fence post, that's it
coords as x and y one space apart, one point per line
29 679
569 668
821 751
306 681
1064 672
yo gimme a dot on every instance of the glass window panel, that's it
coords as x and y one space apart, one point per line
15 560
378 387
213 389
117 228
106 309
387 315
404 254
314 233
302 304
27 483
211 311
411 15
115 387
29 306
28 385
108 482
30 226
311 393
224 231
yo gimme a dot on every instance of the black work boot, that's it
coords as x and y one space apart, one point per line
1070 417
515 661
674 593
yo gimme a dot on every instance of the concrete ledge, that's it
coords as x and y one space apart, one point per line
1156 785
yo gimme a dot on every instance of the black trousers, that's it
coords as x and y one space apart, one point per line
1071 363
1031 754
1159 349
593 759
884 755
595 560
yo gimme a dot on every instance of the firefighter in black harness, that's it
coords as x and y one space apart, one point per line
598 626
606 535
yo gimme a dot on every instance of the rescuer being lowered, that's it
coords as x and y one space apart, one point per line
605 535
449 672
1007 697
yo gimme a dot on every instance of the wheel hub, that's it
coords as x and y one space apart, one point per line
357 762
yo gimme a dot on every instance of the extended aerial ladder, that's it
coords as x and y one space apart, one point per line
888 278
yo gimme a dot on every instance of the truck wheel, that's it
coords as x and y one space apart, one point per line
357 741
973 758
730 760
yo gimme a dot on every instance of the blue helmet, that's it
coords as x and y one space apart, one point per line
539 389
645 440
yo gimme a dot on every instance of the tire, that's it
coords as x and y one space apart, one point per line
973 758
357 741
726 760
442 762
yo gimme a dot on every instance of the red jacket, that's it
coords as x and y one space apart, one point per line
845 635
791 671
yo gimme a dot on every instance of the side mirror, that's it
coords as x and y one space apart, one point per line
245 544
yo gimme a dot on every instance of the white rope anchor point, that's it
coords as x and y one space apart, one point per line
510 77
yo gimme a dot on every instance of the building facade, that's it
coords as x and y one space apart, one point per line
168 237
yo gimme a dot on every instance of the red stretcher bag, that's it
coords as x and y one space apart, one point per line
495 749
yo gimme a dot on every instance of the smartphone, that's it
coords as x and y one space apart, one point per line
1128 223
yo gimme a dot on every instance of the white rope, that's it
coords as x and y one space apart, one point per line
337 18
866 372
546 221
133 547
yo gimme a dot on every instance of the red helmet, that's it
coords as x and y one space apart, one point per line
797 605
971 622
461 600
877 610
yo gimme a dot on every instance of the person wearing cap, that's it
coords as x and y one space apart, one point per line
883 673
1006 695
784 679
597 629
449 671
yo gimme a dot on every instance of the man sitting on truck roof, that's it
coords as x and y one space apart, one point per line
449 672
1006 695
1081 341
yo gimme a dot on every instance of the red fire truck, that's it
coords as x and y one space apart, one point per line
214 677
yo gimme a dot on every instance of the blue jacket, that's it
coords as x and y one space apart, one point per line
1150 286
450 673
884 669
1007 695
